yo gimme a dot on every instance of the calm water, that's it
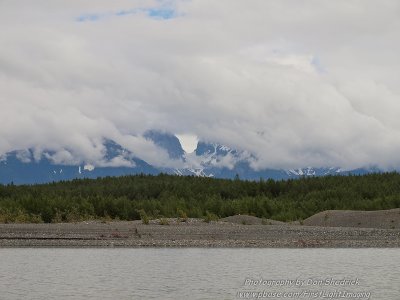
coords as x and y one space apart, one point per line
195 273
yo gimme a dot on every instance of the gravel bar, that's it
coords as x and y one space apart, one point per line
193 233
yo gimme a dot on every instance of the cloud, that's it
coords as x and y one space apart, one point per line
295 83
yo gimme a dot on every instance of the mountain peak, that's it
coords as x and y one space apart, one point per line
208 159
167 141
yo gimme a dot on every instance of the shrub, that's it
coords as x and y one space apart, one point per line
57 217
182 216
143 216
74 216
36 219
164 221
210 217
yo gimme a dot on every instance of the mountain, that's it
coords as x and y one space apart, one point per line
30 171
208 160
168 142
213 156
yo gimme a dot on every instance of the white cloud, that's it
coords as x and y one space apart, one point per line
296 83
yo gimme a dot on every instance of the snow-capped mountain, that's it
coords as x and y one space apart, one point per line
25 169
309 171
208 160
168 142
223 162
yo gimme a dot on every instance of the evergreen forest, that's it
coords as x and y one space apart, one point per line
131 197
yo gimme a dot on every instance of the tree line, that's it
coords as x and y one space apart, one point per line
128 197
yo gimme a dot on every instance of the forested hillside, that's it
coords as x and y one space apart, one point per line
126 197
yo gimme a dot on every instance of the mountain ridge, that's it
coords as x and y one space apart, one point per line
207 160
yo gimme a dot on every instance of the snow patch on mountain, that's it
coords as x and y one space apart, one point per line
88 167
212 155
309 171
208 160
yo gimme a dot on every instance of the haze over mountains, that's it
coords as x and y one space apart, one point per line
208 159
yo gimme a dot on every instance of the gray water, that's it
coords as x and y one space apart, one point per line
195 273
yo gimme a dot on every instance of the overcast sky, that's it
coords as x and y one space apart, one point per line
295 82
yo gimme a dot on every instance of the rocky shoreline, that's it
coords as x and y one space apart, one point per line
193 233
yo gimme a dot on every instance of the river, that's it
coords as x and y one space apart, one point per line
199 273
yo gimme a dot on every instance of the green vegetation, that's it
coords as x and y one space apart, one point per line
182 216
164 221
145 197
210 217
144 217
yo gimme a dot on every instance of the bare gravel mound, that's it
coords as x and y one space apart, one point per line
385 219
250 220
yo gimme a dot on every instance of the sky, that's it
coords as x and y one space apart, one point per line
293 82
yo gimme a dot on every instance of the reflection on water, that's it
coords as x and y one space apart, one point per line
194 273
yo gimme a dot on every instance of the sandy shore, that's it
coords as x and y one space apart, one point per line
193 233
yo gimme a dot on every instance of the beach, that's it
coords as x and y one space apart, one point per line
194 233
